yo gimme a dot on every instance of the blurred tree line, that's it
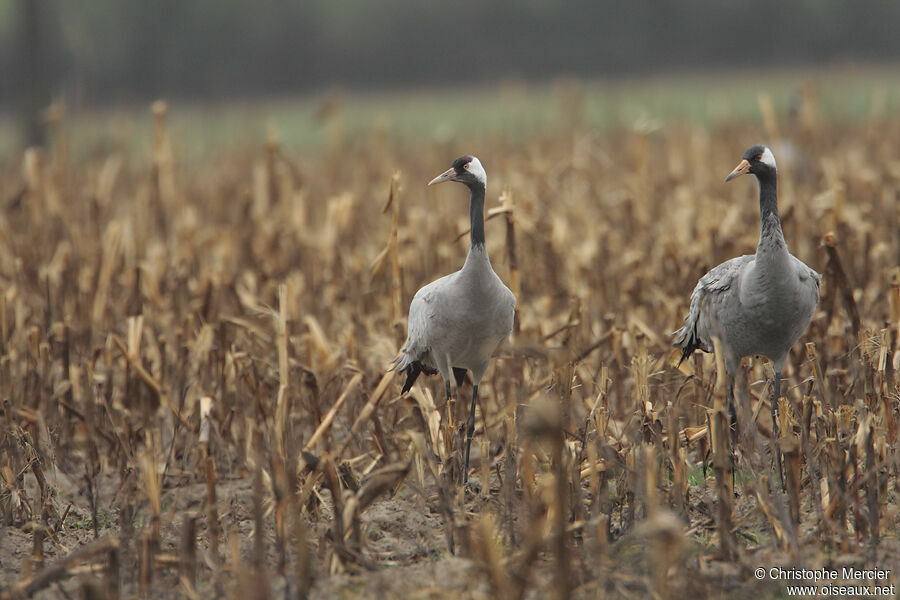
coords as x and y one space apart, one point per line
102 51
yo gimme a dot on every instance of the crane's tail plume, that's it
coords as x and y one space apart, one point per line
687 339
413 368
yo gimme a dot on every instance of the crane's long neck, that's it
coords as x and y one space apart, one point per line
477 259
476 214
771 238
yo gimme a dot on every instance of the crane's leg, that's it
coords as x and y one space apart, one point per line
776 394
447 388
732 429
470 429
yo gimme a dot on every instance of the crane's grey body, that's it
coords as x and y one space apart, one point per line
757 304
457 322
460 319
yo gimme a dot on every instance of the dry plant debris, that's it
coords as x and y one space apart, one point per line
194 396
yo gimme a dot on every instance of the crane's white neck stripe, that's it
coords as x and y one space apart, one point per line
477 171
768 158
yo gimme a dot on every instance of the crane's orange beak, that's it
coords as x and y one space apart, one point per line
448 175
742 169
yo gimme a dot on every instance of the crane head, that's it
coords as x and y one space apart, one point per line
757 159
466 170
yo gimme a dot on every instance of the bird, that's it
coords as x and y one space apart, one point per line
757 304
457 322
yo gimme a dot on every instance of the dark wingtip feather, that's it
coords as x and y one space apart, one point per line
413 370
686 351
688 342
412 373
688 347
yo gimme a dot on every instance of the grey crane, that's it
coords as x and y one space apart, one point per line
757 304
457 322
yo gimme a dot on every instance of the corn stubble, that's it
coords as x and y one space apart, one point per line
195 397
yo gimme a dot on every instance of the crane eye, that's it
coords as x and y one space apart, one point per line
758 158
466 166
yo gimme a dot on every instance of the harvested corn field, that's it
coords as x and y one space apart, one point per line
196 400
